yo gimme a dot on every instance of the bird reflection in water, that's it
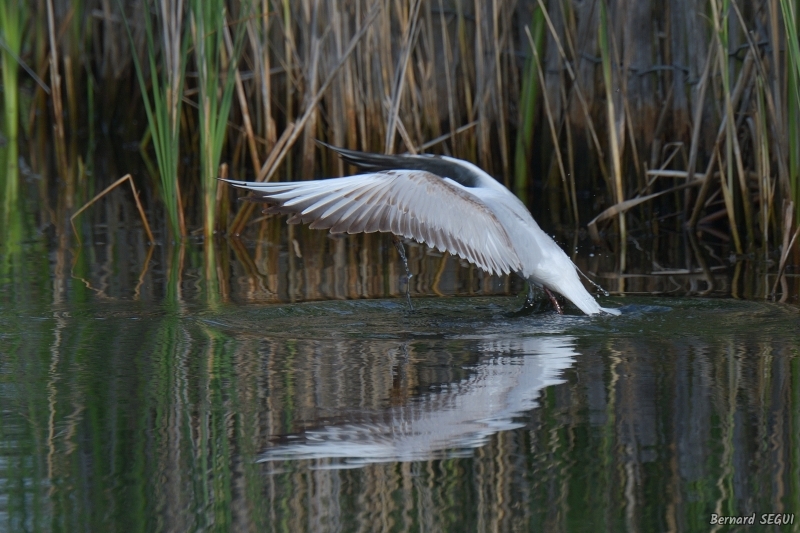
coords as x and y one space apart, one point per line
450 421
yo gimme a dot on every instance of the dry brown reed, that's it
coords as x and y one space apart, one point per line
58 105
123 179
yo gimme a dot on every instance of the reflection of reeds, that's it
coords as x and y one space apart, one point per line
183 418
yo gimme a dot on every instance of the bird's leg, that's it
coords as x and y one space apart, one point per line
531 297
554 301
402 251
532 304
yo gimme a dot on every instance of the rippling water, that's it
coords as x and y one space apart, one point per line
289 388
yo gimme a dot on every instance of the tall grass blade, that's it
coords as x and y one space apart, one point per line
12 20
164 110
790 21
527 120
766 189
793 133
613 131
552 126
216 81
732 152
58 110
409 37
12 17
578 92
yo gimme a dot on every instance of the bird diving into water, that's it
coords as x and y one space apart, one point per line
444 202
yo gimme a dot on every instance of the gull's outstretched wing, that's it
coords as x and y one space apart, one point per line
410 203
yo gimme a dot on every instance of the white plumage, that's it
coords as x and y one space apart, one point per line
444 202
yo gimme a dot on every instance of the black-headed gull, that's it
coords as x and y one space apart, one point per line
444 202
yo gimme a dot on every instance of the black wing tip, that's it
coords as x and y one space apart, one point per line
376 162
342 152
457 169
326 145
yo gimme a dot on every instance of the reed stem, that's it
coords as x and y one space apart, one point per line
791 21
615 124
12 20
531 88
164 110
216 82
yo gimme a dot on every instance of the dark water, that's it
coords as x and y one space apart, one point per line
288 388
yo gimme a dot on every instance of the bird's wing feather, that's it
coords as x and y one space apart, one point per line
409 203
446 167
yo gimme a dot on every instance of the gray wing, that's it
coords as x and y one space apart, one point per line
410 203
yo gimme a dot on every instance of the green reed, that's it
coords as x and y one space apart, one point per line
215 79
164 110
527 121
790 21
12 20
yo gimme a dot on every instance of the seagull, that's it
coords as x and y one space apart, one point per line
444 202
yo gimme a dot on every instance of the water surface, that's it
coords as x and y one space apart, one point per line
291 389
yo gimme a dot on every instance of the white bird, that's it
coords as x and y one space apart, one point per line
444 202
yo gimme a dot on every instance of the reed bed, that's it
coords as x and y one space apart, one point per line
683 113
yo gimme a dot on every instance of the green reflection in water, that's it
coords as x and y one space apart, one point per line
141 391
129 416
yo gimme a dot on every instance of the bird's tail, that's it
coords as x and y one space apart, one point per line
571 287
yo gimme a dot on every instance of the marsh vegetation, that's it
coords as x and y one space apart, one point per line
681 115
